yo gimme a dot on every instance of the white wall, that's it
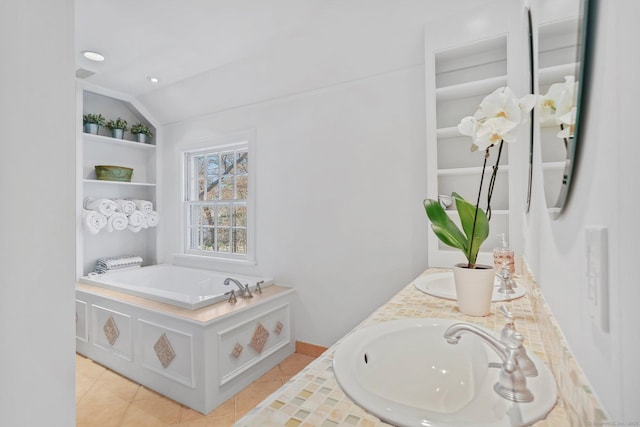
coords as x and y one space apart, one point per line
604 194
37 218
341 178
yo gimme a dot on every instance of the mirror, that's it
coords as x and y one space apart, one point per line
562 65
532 89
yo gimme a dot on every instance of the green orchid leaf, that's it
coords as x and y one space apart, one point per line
467 213
444 228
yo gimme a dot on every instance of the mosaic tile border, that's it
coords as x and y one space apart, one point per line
581 406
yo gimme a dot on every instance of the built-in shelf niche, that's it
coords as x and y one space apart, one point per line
462 68
102 149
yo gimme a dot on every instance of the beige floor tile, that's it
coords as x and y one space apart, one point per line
227 421
145 393
228 408
107 399
117 384
152 413
83 384
224 410
254 394
294 364
88 367
100 408
273 374
188 415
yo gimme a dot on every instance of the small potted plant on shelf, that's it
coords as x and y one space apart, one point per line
92 123
118 127
141 132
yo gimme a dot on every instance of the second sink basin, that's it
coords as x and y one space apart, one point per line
405 373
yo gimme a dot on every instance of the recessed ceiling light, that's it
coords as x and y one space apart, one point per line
93 56
153 79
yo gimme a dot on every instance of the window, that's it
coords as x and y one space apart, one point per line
218 202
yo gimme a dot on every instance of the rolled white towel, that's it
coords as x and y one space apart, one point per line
136 219
153 218
93 221
104 265
125 206
105 206
118 221
144 206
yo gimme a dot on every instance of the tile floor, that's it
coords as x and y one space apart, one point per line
106 399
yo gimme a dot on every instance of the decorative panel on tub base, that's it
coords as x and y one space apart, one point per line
111 331
82 333
199 358
252 341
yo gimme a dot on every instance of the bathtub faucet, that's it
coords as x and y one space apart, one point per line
258 289
244 290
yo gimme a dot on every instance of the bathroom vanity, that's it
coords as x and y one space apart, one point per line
314 397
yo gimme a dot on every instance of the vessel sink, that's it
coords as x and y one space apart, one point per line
407 374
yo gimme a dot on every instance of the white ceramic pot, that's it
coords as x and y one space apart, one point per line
474 288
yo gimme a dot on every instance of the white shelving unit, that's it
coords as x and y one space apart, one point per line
461 68
101 149
557 53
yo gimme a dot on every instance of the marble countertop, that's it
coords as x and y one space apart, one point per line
313 398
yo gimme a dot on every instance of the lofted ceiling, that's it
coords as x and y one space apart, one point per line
212 55
176 39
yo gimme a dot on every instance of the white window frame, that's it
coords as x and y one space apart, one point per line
242 140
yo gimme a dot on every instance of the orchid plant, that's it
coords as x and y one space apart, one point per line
558 106
494 123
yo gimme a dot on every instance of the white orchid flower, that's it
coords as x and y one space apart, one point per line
492 131
549 102
498 115
558 101
468 126
501 103
526 104
568 120
567 98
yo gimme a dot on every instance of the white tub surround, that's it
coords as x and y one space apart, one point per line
181 286
199 358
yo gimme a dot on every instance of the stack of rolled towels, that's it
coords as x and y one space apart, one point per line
119 214
104 265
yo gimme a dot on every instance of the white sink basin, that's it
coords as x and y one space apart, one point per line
405 373
441 285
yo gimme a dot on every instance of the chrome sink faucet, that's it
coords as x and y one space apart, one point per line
507 335
512 384
245 292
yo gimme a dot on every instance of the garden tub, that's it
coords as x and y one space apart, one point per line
185 287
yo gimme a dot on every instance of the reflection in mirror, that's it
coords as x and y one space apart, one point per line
560 67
